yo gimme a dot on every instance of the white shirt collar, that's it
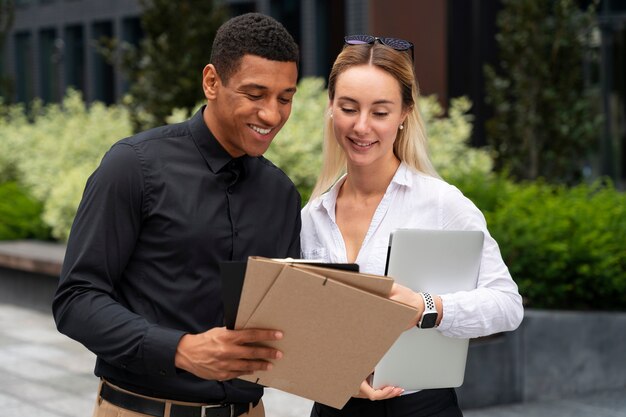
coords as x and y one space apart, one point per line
328 200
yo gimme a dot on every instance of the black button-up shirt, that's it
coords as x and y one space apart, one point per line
142 263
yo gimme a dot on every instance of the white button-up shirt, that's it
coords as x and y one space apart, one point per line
415 200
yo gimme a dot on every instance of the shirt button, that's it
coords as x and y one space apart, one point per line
236 232
230 190
162 372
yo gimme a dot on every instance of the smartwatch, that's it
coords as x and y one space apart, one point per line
429 316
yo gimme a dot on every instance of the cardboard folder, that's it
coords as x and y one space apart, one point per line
233 275
334 333
261 272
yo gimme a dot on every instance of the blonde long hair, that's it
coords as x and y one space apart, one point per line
411 145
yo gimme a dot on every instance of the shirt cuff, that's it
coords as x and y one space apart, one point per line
449 313
159 348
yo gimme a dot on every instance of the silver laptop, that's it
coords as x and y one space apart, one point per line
439 262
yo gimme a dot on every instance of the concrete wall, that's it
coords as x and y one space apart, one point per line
29 272
492 372
27 289
554 354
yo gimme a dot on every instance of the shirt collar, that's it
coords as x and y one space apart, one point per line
329 199
402 177
213 153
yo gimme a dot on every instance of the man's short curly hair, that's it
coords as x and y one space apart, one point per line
254 34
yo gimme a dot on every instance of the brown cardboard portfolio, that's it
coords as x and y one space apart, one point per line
375 284
334 333
260 275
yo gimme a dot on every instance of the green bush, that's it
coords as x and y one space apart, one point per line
486 190
448 138
52 149
12 118
545 118
160 76
565 247
297 149
20 214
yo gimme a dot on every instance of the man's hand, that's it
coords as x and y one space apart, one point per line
366 391
222 354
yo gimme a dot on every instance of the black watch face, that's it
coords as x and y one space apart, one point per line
428 321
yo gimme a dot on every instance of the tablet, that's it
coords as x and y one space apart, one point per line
439 262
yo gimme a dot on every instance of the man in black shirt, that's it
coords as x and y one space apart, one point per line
140 284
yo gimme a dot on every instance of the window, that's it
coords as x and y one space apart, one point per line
22 3
74 57
132 34
103 76
50 56
24 91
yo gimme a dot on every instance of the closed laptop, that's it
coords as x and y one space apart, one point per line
439 262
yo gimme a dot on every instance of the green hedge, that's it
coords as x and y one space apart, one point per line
20 214
52 149
565 247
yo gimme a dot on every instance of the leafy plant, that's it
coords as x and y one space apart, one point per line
297 149
545 123
487 190
165 69
449 139
20 214
53 149
565 247
12 119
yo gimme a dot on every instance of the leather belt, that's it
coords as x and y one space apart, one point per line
156 408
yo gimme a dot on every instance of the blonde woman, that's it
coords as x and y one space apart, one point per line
377 177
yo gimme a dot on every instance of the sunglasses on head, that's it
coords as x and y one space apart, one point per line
394 43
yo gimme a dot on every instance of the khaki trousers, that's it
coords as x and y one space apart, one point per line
104 408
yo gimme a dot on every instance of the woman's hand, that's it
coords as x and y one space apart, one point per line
386 392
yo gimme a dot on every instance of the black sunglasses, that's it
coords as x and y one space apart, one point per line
394 43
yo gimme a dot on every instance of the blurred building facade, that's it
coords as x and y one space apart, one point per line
52 46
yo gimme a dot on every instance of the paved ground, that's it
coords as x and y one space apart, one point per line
45 374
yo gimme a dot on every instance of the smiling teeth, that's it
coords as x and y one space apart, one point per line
362 144
261 131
